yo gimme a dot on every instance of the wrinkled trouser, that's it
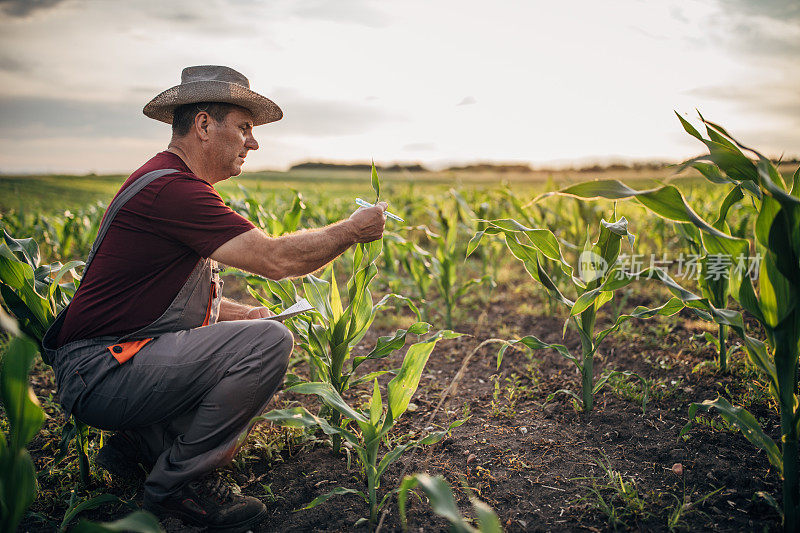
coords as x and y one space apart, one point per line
186 397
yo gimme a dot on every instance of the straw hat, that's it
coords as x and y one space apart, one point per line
212 83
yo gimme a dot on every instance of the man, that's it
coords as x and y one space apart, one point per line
148 347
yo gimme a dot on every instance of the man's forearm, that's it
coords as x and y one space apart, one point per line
302 252
230 310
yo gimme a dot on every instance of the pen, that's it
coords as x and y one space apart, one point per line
364 203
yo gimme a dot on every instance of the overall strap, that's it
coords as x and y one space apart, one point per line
121 199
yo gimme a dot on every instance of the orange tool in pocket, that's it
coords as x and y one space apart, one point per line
125 350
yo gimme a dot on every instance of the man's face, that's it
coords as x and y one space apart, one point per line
229 142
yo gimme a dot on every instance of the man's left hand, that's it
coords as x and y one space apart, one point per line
259 312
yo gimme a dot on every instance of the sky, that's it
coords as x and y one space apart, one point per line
438 82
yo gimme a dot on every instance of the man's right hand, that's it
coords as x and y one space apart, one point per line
368 222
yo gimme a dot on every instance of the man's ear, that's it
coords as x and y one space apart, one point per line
201 123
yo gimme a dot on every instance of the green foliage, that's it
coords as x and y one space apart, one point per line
775 302
374 422
449 254
18 484
33 293
599 276
440 496
136 522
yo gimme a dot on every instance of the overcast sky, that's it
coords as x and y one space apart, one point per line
415 80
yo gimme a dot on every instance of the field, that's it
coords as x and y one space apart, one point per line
521 434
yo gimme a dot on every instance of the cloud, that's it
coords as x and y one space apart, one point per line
781 10
467 100
779 101
12 64
24 8
352 11
51 117
419 147
323 118
763 29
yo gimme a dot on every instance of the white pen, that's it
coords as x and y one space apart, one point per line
364 203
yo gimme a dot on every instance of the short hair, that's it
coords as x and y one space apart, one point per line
183 116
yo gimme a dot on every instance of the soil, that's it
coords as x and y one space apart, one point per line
538 464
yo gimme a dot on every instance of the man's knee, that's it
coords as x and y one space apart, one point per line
272 339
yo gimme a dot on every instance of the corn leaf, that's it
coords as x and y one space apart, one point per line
402 387
742 419
376 183
338 491
330 396
24 413
136 522
440 496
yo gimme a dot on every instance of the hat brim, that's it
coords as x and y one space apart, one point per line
161 107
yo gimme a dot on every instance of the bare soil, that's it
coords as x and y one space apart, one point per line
535 462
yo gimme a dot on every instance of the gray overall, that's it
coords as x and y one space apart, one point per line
184 387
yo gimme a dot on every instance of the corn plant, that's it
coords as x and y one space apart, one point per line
18 486
599 277
443 504
714 275
31 291
249 207
774 301
374 422
34 294
446 259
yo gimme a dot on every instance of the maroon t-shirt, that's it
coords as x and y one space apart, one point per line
152 246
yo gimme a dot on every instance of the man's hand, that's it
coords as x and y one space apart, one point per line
301 252
368 222
258 312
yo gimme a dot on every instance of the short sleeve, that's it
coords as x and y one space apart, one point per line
191 211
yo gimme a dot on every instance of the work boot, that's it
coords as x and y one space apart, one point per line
121 457
210 502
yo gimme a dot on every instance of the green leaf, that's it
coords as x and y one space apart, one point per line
666 202
440 496
745 421
330 396
18 487
390 457
24 413
376 183
535 344
388 344
300 417
376 405
338 491
402 387
318 293
136 522
474 242
488 522
86 505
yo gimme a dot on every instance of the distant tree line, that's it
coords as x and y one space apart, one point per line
499 167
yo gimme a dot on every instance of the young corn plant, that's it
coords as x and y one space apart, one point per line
329 333
31 291
715 272
440 496
35 294
445 261
774 301
254 210
598 277
18 486
374 422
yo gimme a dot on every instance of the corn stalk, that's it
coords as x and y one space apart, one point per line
774 302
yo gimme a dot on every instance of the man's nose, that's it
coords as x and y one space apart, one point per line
251 143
